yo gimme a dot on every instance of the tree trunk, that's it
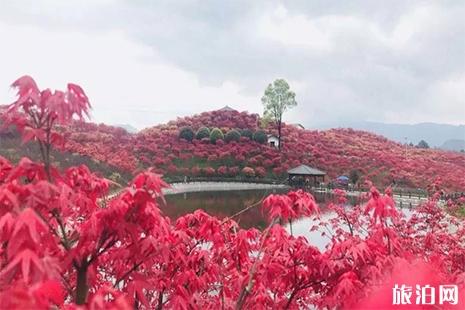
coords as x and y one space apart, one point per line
279 134
160 300
81 285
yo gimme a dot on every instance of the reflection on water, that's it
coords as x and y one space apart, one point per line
226 203
220 204
302 227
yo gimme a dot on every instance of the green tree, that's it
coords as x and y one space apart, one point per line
247 133
232 135
265 121
278 98
423 144
354 176
216 134
260 137
203 132
186 133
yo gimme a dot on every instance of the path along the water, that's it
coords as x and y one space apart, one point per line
181 188
402 201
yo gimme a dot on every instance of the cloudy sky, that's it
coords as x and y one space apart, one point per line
146 62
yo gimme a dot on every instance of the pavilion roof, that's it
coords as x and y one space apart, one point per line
227 109
305 170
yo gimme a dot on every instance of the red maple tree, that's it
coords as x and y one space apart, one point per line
63 244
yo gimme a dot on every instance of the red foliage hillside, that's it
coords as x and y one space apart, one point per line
104 143
65 245
224 119
337 151
340 150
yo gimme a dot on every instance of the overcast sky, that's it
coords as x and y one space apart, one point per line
146 62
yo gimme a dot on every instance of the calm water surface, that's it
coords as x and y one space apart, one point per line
226 203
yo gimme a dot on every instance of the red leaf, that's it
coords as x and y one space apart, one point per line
28 262
50 291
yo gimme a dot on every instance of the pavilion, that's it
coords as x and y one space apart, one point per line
227 109
304 175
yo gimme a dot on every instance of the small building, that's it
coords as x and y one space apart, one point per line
299 126
303 176
227 109
273 141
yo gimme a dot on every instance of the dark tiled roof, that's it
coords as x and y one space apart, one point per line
305 170
226 108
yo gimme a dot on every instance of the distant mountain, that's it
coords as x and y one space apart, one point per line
434 134
453 145
127 127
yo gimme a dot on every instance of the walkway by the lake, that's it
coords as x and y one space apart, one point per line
180 188
401 201
191 187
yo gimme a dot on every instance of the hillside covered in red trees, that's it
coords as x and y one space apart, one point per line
64 245
336 151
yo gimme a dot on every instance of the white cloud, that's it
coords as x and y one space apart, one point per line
293 31
413 23
451 94
126 82
147 62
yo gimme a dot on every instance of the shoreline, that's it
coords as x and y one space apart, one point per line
192 187
196 187
207 186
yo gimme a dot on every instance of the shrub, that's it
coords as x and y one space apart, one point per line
244 139
172 168
184 171
248 172
160 161
195 171
212 157
240 158
268 163
252 161
208 171
216 134
233 171
260 172
354 176
186 133
260 137
232 135
278 171
222 170
224 155
247 133
423 145
202 133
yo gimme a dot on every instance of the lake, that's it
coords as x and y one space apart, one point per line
226 203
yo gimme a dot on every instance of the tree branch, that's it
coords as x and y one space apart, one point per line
246 290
